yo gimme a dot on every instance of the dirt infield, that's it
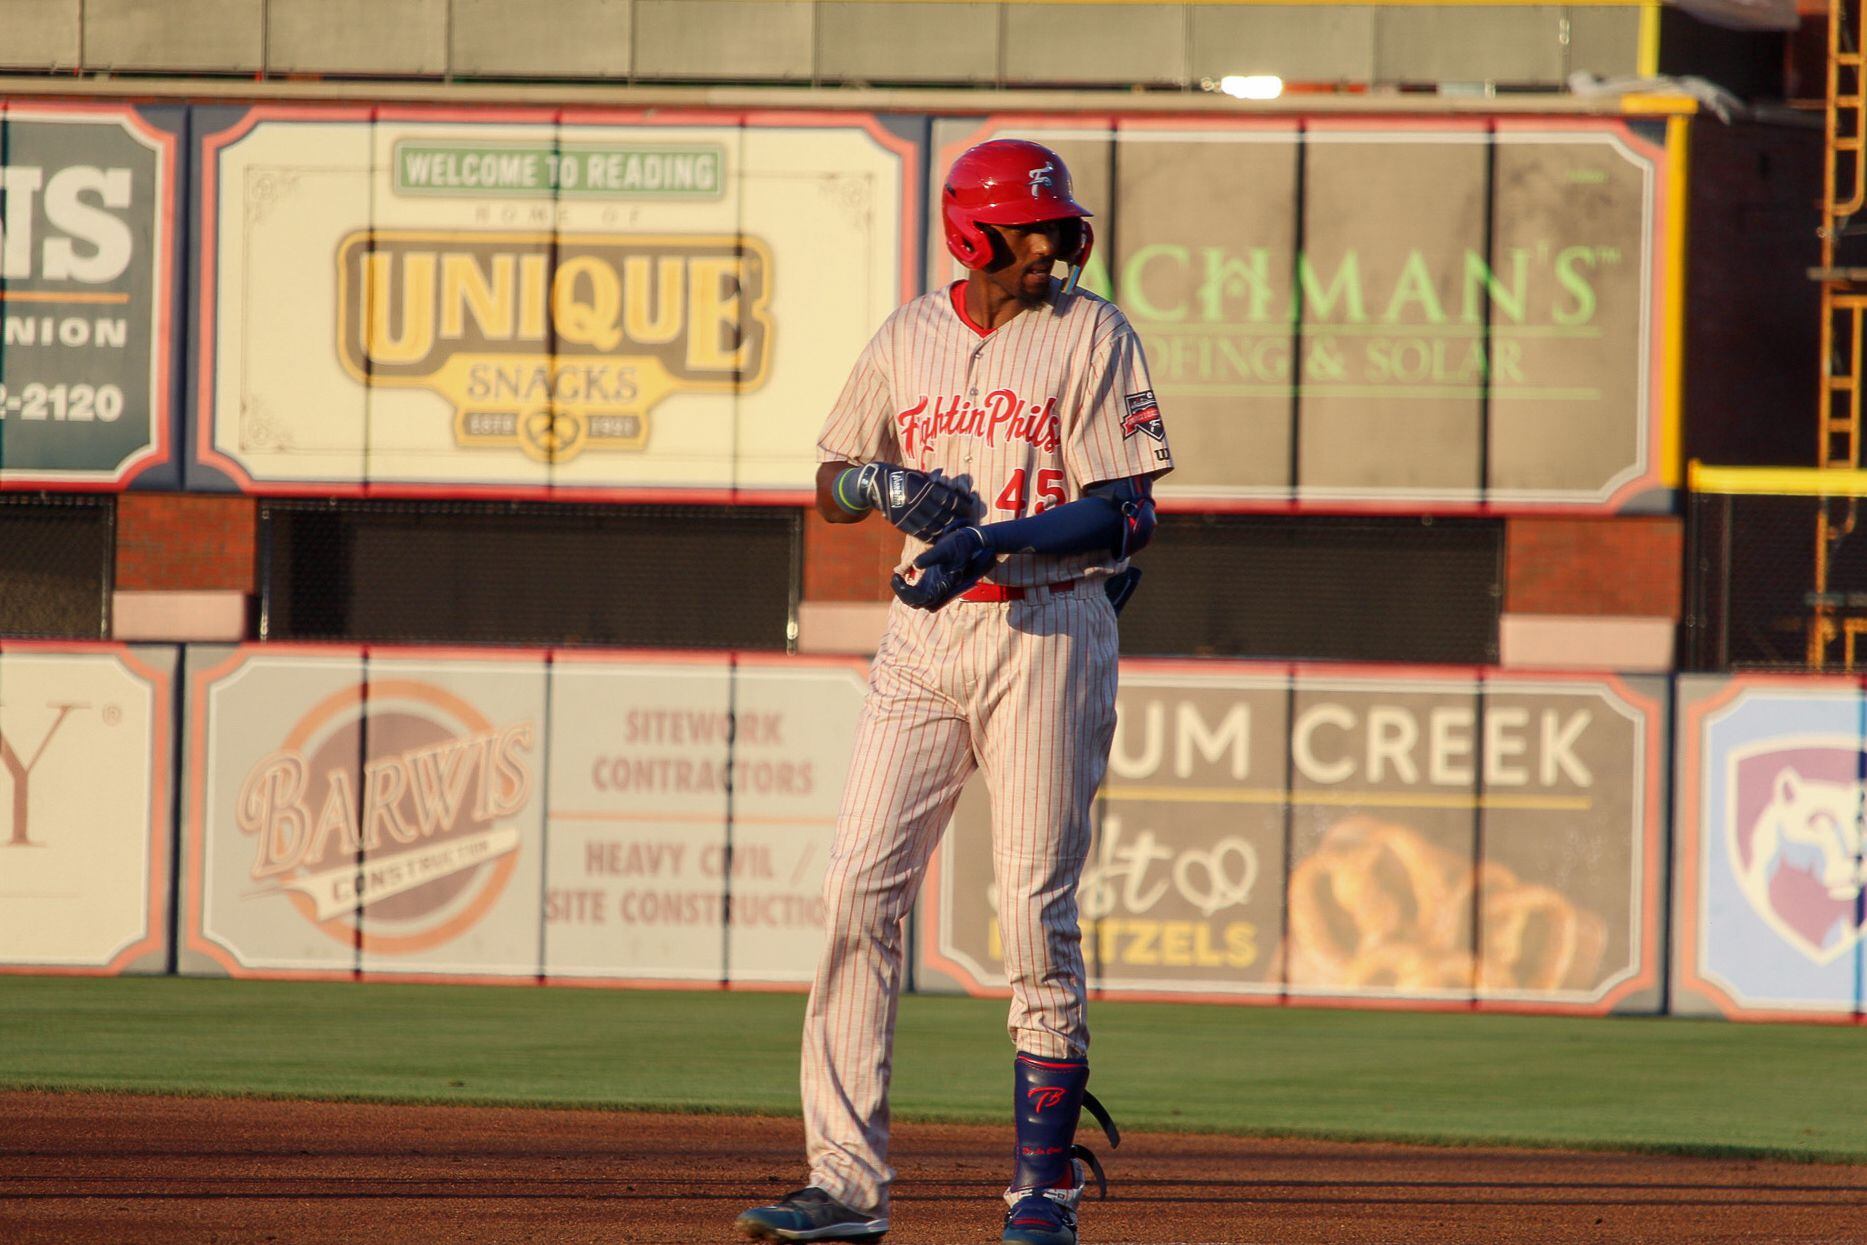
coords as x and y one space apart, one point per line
105 1168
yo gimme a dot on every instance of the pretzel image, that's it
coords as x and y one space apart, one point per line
1379 905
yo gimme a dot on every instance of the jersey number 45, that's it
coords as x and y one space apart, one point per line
1049 491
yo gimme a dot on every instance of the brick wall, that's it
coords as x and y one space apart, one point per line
1621 566
171 542
1605 566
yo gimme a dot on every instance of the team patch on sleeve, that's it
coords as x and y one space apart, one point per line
1143 416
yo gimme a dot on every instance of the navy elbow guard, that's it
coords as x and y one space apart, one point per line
1134 497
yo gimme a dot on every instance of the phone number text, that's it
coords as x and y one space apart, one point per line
75 403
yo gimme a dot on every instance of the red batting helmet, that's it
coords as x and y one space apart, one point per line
1007 181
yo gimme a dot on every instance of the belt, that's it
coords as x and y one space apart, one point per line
1011 592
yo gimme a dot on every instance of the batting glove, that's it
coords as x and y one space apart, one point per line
923 504
956 562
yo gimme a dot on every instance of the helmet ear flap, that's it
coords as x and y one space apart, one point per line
968 243
1077 262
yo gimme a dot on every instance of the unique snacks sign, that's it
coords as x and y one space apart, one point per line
1400 312
513 302
1770 846
1380 837
85 753
87 253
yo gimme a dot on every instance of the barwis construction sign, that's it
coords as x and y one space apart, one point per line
382 817
513 304
587 818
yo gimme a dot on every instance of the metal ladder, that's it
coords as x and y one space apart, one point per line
1844 316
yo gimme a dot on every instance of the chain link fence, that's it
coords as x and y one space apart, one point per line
1328 588
1776 581
529 573
57 557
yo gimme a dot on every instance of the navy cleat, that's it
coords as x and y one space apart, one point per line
812 1215
1038 1220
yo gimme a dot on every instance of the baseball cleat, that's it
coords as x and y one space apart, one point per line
1037 1220
811 1215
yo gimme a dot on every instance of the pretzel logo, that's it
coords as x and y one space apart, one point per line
1378 906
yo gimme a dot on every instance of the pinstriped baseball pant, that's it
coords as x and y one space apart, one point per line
1025 691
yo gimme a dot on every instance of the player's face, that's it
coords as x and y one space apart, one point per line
1025 254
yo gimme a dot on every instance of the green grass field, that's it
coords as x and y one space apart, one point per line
1648 1084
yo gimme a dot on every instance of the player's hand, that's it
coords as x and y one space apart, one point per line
956 562
921 503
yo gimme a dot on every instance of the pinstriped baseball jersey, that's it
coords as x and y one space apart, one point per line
1031 413
1053 401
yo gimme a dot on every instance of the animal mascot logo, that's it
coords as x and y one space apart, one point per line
1796 845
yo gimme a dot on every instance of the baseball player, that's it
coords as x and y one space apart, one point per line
1008 426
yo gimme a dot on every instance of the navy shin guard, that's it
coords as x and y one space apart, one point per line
1048 1098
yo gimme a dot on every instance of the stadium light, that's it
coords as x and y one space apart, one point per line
1252 86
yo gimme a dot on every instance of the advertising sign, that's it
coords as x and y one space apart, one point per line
514 302
668 818
1428 838
344 816
692 807
87 289
85 755
640 773
1382 314
1771 872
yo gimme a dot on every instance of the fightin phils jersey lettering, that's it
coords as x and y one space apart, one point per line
1030 414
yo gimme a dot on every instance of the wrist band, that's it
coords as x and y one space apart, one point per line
859 506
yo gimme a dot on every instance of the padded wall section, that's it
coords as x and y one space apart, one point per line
724 39
1768 916
1416 313
86 807
401 37
1015 43
1434 838
536 303
484 815
89 345
41 34
503 38
272 828
206 36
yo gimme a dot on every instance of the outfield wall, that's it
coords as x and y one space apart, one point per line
569 817
1769 847
1266 832
1364 836
349 299
1434 838
86 807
